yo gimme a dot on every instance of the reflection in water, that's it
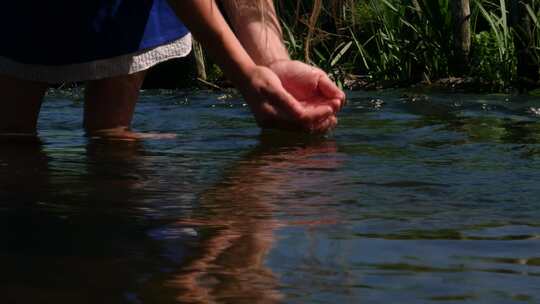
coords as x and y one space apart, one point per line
231 265
117 169
97 242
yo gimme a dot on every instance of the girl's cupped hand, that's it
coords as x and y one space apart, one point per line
294 96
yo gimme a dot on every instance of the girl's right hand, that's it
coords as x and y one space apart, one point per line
274 107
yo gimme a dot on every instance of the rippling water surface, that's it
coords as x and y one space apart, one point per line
419 199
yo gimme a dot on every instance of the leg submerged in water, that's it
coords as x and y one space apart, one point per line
110 105
20 103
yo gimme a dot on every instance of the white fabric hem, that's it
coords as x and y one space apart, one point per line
99 69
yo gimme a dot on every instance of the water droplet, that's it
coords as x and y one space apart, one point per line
534 111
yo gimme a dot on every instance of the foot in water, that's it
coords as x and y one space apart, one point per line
123 133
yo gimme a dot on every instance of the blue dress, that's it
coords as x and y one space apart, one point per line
61 32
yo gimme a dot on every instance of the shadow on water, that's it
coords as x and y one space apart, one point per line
23 170
66 245
99 242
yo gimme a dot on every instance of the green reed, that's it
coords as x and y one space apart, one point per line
494 59
401 41
534 13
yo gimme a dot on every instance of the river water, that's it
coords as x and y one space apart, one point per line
419 199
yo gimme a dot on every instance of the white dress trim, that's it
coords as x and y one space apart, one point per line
99 69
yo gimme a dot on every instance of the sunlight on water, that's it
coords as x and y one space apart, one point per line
413 199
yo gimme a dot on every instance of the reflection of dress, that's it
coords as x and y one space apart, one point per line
67 40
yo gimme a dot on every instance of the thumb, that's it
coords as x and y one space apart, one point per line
328 88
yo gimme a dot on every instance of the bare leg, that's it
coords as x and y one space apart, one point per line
20 102
110 103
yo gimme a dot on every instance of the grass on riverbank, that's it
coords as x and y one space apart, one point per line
401 42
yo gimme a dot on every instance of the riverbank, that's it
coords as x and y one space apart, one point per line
450 85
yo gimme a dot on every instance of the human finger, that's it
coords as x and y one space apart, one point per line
314 114
336 104
326 125
328 87
284 102
304 114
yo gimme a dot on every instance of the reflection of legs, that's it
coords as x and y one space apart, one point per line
20 102
110 103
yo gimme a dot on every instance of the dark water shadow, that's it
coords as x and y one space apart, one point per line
24 170
72 245
95 242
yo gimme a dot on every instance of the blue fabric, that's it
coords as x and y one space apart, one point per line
57 32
